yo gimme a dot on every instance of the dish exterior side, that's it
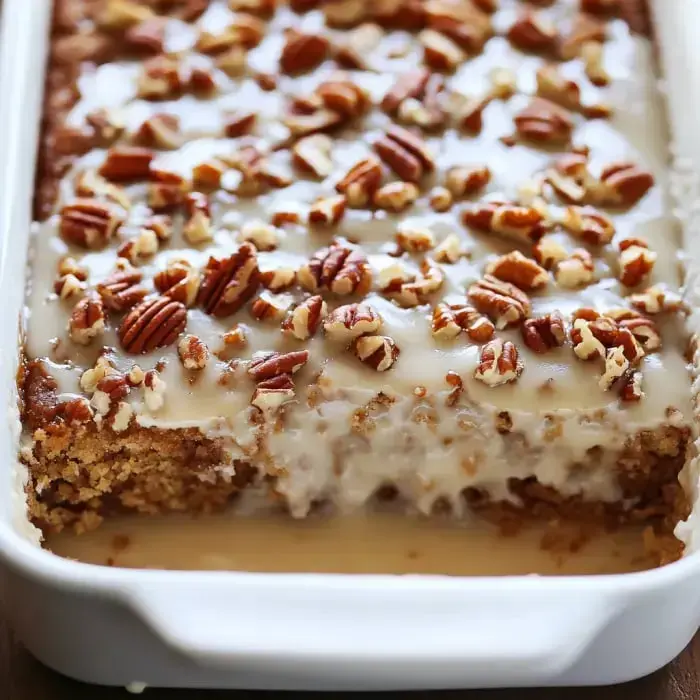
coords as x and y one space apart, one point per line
373 644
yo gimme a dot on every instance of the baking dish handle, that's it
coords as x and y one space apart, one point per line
526 628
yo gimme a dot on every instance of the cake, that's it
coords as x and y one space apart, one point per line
333 253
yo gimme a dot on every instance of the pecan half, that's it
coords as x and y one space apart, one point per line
346 323
523 272
303 320
266 365
230 282
544 121
154 323
450 319
303 52
361 182
340 268
523 224
544 333
127 163
379 352
624 184
405 153
89 223
87 320
179 281
121 290
499 363
502 302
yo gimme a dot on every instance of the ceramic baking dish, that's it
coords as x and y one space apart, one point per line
197 629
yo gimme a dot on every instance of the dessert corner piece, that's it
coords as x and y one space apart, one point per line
332 251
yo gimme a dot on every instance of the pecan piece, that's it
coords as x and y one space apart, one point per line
278 279
193 352
502 302
127 163
464 181
379 352
89 223
270 307
396 196
263 236
154 323
544 333
414 239
239 124
450 319
549 252
616 366
440 52
87 320
68 286
179 281
406 154
515 268
303 52
304 319
122 289
340 268
531 32
346 323
523 224
499 363
544 121
361 182
343 97
624 184
160 79
197 228
271 394
229 283
160 131
576 270
636 261
631 386
266 365
588 224
644 331
313 155
328 211
408 86
658 299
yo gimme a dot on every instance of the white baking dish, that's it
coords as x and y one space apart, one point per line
117 626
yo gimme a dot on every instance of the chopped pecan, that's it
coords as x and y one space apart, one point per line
167 191
449 250
406 154
499 363
440 52
592 56
121 14
466 23
270 307
245 30
409 289
87 320
271 394
361 182
193 352
502 302
160 131
143 245
357 45
624 184
450 319
106 126
303 320
396 196
631 386
147 37
207 175
344 13
160 79
644 331
233 61
89 184
108 392
576 270
340 268
409 85
68 286
201 82
379 352
69 266
179 281
266 365
230 282
515 268
544 333
414 239
346 323
588 224
239 123
313 155
544 121
464 181
122 289
344 97
553 86
319 121
197 228
303 52
89 223
154 323
585 29
636 261
263 236
523 224
262 8
532 32
127 163
549 252
278 279
658 299
328 211
441 199
153 390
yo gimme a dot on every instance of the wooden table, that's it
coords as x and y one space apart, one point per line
23 678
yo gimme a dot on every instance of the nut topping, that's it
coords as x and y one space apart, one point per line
271 394
279 279
408 289
122 289
396 196
361 182
68 286
127 163
270 307
160 131
229 283
450 319
449 250
531 32
631 386
197 228
239 124
87 320
499 363
523 272
545 122
266 365
304 320
154 323
193 352
377 351
406 154
658 299
302 52
440 52
263 236
624 184
502 302
89 223
179 281
414 239
313 154
346 323
160 79
341 269
523 224
575 271
544 333
328 211
636 261
588 224
464 181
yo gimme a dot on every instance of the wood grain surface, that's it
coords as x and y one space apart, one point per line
23 678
